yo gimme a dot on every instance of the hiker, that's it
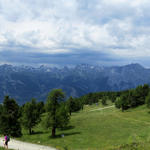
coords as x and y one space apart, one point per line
6 140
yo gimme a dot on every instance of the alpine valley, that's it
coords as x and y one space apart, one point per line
23 82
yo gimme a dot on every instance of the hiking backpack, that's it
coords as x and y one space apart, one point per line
8 138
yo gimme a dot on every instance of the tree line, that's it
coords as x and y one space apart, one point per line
13 117
58 110
122 99
133 97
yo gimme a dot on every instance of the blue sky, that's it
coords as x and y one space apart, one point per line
70 32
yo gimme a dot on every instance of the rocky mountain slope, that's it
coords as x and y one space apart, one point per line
24 83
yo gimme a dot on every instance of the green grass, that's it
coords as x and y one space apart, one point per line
108 129
1 148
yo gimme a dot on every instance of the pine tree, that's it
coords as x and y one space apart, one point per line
147 100
71 105
57 114
9 118
30 115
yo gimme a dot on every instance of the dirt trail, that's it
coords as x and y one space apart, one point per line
18 145
103 108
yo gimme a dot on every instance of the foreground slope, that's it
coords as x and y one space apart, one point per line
104 129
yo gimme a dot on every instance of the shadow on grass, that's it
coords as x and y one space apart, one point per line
37 132
63 135
67 128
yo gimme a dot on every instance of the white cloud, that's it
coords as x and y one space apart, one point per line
119 27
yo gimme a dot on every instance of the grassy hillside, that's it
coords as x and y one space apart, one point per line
107 129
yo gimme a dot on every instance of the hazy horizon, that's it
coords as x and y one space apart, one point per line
70 66
71 32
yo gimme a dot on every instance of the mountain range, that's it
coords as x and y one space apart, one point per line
23 82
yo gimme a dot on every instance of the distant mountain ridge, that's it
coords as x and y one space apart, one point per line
24 82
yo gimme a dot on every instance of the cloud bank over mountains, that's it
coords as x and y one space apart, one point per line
62 32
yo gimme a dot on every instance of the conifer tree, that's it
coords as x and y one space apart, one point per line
30 115
147 100
9 118
57 112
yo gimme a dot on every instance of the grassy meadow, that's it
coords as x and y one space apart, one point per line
107 129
